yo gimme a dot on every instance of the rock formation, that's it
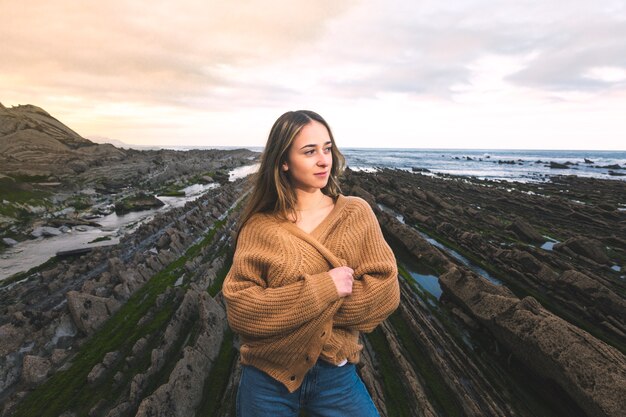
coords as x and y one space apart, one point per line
145 324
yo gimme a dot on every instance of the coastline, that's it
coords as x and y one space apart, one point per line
474 330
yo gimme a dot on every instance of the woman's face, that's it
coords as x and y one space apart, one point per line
309 158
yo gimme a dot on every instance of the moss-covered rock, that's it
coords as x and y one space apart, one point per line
137 202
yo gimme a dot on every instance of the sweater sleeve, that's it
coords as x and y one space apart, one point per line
256 310
375 291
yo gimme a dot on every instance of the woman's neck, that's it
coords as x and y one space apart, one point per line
310 212
307 201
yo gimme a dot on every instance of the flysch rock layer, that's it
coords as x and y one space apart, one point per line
591 371
183 392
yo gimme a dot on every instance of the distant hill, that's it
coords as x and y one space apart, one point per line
33 143
114 142
19 120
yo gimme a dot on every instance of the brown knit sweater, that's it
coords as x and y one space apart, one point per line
283 303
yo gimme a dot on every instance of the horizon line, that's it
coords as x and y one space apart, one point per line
232 147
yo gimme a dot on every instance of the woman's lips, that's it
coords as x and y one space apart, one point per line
321 174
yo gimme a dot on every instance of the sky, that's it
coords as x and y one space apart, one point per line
465 74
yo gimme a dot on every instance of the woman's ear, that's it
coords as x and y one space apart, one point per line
285 167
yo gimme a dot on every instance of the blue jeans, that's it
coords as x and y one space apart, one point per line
326 391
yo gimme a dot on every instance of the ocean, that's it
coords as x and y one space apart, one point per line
507 165
497 165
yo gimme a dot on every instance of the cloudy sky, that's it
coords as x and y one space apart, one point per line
525 74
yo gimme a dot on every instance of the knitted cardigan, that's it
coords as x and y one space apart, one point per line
282 301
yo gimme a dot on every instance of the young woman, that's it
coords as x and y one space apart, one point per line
311 270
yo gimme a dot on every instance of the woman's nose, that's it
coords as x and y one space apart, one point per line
323 160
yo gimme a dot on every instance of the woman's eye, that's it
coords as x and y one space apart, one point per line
328 149
309 152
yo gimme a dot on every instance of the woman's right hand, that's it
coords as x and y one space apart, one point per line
343 279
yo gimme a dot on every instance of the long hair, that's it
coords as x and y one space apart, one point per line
272 191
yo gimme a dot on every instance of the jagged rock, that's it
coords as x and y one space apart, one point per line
372 379
8 241
437 201
58 355
163 241
121 292
118 377
45 231
138 202
360 192
525 231
92 285
139 346
525 260
132 280
165 257
606 300
153 263
10 369
102 292
120 410
182 393
557 165
446 228
587 247
116 266
35 369
11 338
413 241
96 374
42 298
110 358
88 311
136 388
590 371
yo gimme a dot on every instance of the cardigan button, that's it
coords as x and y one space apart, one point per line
307 358
293 377
323 334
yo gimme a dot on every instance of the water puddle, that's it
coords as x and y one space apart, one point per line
31 253
429 283
394 213
549 243
243 171
477 269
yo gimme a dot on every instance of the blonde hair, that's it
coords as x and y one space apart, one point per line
272 191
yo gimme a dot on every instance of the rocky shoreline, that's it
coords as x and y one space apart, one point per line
56 312
140 329
52 177
574 336
513 294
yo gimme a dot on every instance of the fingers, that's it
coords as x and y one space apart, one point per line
343 279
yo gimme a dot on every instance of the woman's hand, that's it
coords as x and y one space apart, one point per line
343 279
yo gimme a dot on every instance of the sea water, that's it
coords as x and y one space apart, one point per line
508 165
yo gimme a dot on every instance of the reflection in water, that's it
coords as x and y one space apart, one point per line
477 269
31 253
453 253
429 283
549 244
243 171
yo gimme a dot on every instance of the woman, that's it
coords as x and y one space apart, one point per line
311 270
